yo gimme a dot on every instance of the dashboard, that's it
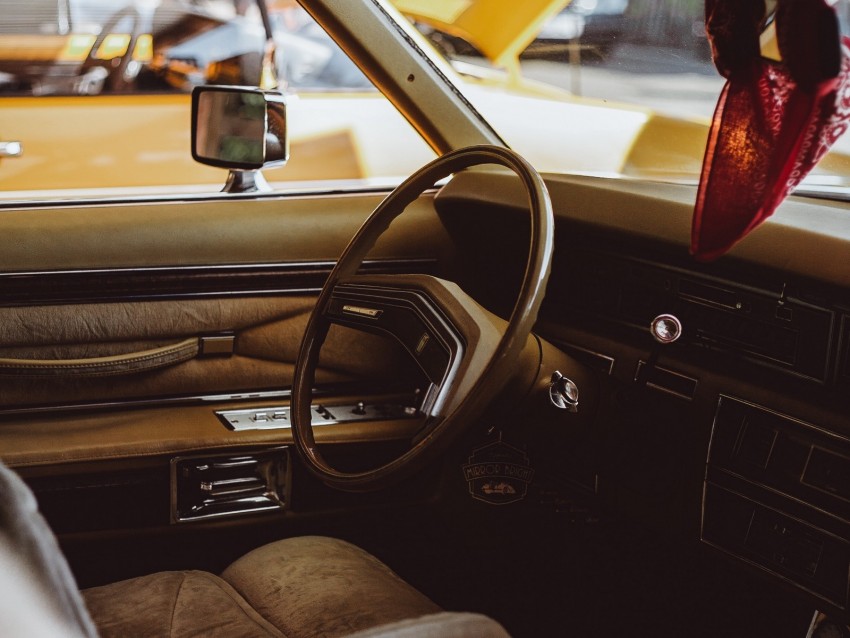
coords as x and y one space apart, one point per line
735 435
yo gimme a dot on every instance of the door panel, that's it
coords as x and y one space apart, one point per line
306 229
94 353
135 312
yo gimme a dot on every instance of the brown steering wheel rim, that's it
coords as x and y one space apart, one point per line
522 318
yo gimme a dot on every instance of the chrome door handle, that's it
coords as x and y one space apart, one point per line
11 149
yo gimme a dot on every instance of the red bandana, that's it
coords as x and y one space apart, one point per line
774 121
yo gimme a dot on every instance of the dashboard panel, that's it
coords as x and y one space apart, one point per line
734 437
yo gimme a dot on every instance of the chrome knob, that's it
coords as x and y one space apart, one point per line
563 392
666 329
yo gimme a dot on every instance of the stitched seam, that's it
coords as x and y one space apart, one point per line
226 592
163 351
174 608
98 364
175 354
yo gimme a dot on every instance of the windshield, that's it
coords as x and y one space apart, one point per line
616 87
94 94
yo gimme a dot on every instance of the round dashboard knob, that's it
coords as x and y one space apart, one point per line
666 328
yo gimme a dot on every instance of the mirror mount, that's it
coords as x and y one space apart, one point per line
246 182
242 129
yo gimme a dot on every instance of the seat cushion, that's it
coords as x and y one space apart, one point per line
318 586
295 588
171 604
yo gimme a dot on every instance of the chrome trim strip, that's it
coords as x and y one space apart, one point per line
150 403
279 417
75 198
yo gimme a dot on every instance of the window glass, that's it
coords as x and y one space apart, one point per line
95 96
97 47
623 87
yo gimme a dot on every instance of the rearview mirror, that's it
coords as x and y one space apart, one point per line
240 128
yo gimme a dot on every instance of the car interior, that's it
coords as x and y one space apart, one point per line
491 390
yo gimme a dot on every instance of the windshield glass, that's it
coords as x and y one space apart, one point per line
623 87
94 94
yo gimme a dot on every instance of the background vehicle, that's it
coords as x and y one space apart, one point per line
595 23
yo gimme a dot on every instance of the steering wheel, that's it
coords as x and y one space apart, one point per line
467 353
115 80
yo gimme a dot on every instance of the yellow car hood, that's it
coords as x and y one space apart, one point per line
499 29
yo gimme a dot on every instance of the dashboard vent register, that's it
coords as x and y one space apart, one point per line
205 487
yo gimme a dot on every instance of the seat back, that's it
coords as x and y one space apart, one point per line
38 594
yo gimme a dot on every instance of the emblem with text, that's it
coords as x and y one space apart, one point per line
498 473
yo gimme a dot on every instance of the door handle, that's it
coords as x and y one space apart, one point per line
11 149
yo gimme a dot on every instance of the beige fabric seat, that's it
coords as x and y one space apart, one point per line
299 587
295 588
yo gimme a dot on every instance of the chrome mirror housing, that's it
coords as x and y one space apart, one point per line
242 129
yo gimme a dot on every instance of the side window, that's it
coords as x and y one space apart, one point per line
97 47
94 96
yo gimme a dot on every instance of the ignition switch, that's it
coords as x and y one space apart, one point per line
563 392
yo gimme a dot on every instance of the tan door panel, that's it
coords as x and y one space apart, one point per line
137 301
203 232
94 353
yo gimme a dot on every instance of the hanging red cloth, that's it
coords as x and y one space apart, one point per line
774 120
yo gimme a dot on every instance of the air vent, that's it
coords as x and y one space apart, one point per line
220 486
